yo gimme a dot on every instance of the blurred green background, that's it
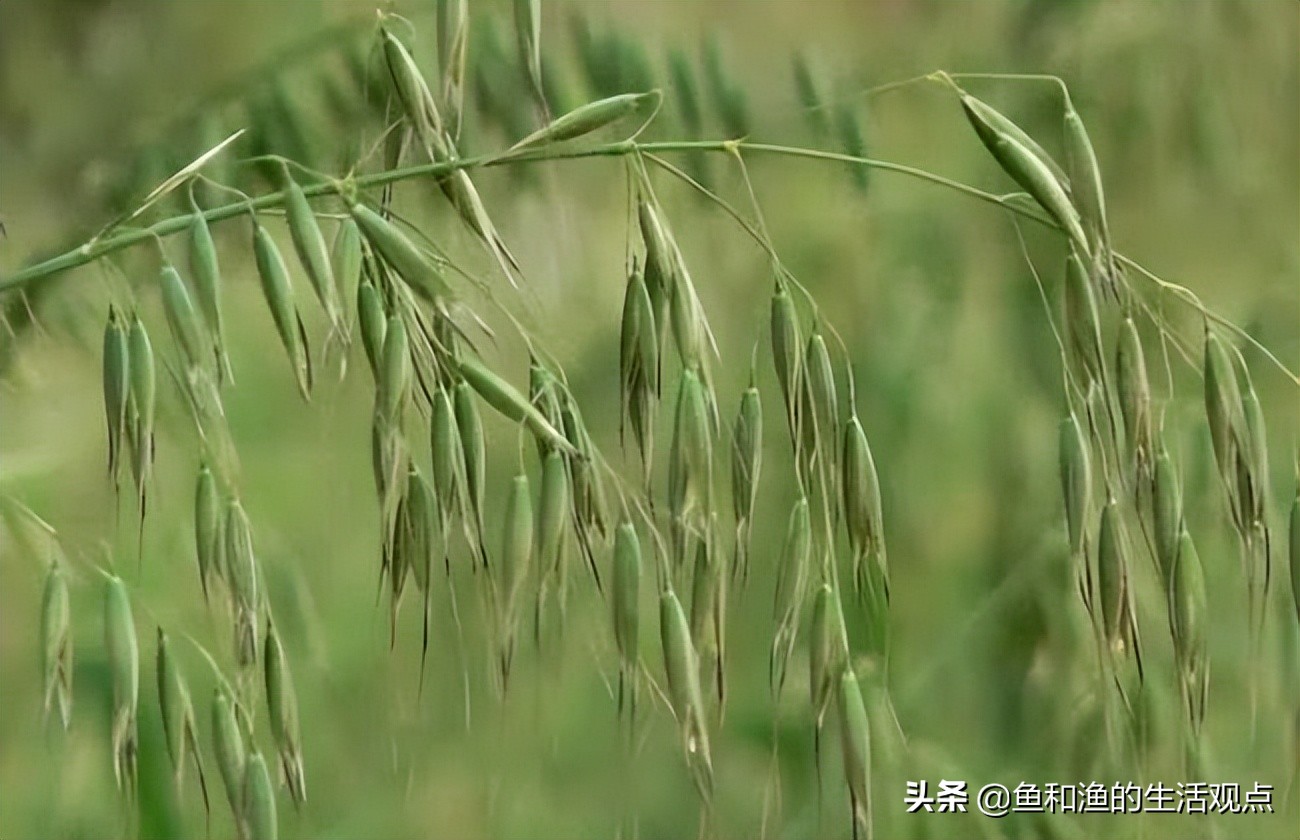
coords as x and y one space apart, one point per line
1194 109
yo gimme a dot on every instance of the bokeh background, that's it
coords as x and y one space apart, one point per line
1194 109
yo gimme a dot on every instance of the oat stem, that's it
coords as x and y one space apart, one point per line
108 244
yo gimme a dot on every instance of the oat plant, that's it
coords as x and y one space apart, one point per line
670 520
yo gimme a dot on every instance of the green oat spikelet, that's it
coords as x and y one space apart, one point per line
446 455
791 583
864 524
708 610
282 709
388 452
417 539
116 385
1237 437
503 396
553 508
746 467
1223 407
469 429
660 268
1134 397
56 645
419 534
413 95
141 399
183 319
626 599
257 801
984 118
818 439
206 273
1294 551
395 560
690 466
585 491
1027 164
638 369
178 719
827 656
1166 513
1115 586
517 540
411 264
584 119
787 354
1252 456
313 253
228 745
1082 322
278 291
528 36
1187 616
544 392
465 198
244 580
691 332
426 122
372 323
1085 181
346 261
681 664
1075 467
1252 494
395 372
453 50
822 647
207 529
515 560
124 671
855 740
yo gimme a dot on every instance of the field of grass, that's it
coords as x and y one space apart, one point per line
942 305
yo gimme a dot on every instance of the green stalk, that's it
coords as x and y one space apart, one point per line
92 251
95 249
